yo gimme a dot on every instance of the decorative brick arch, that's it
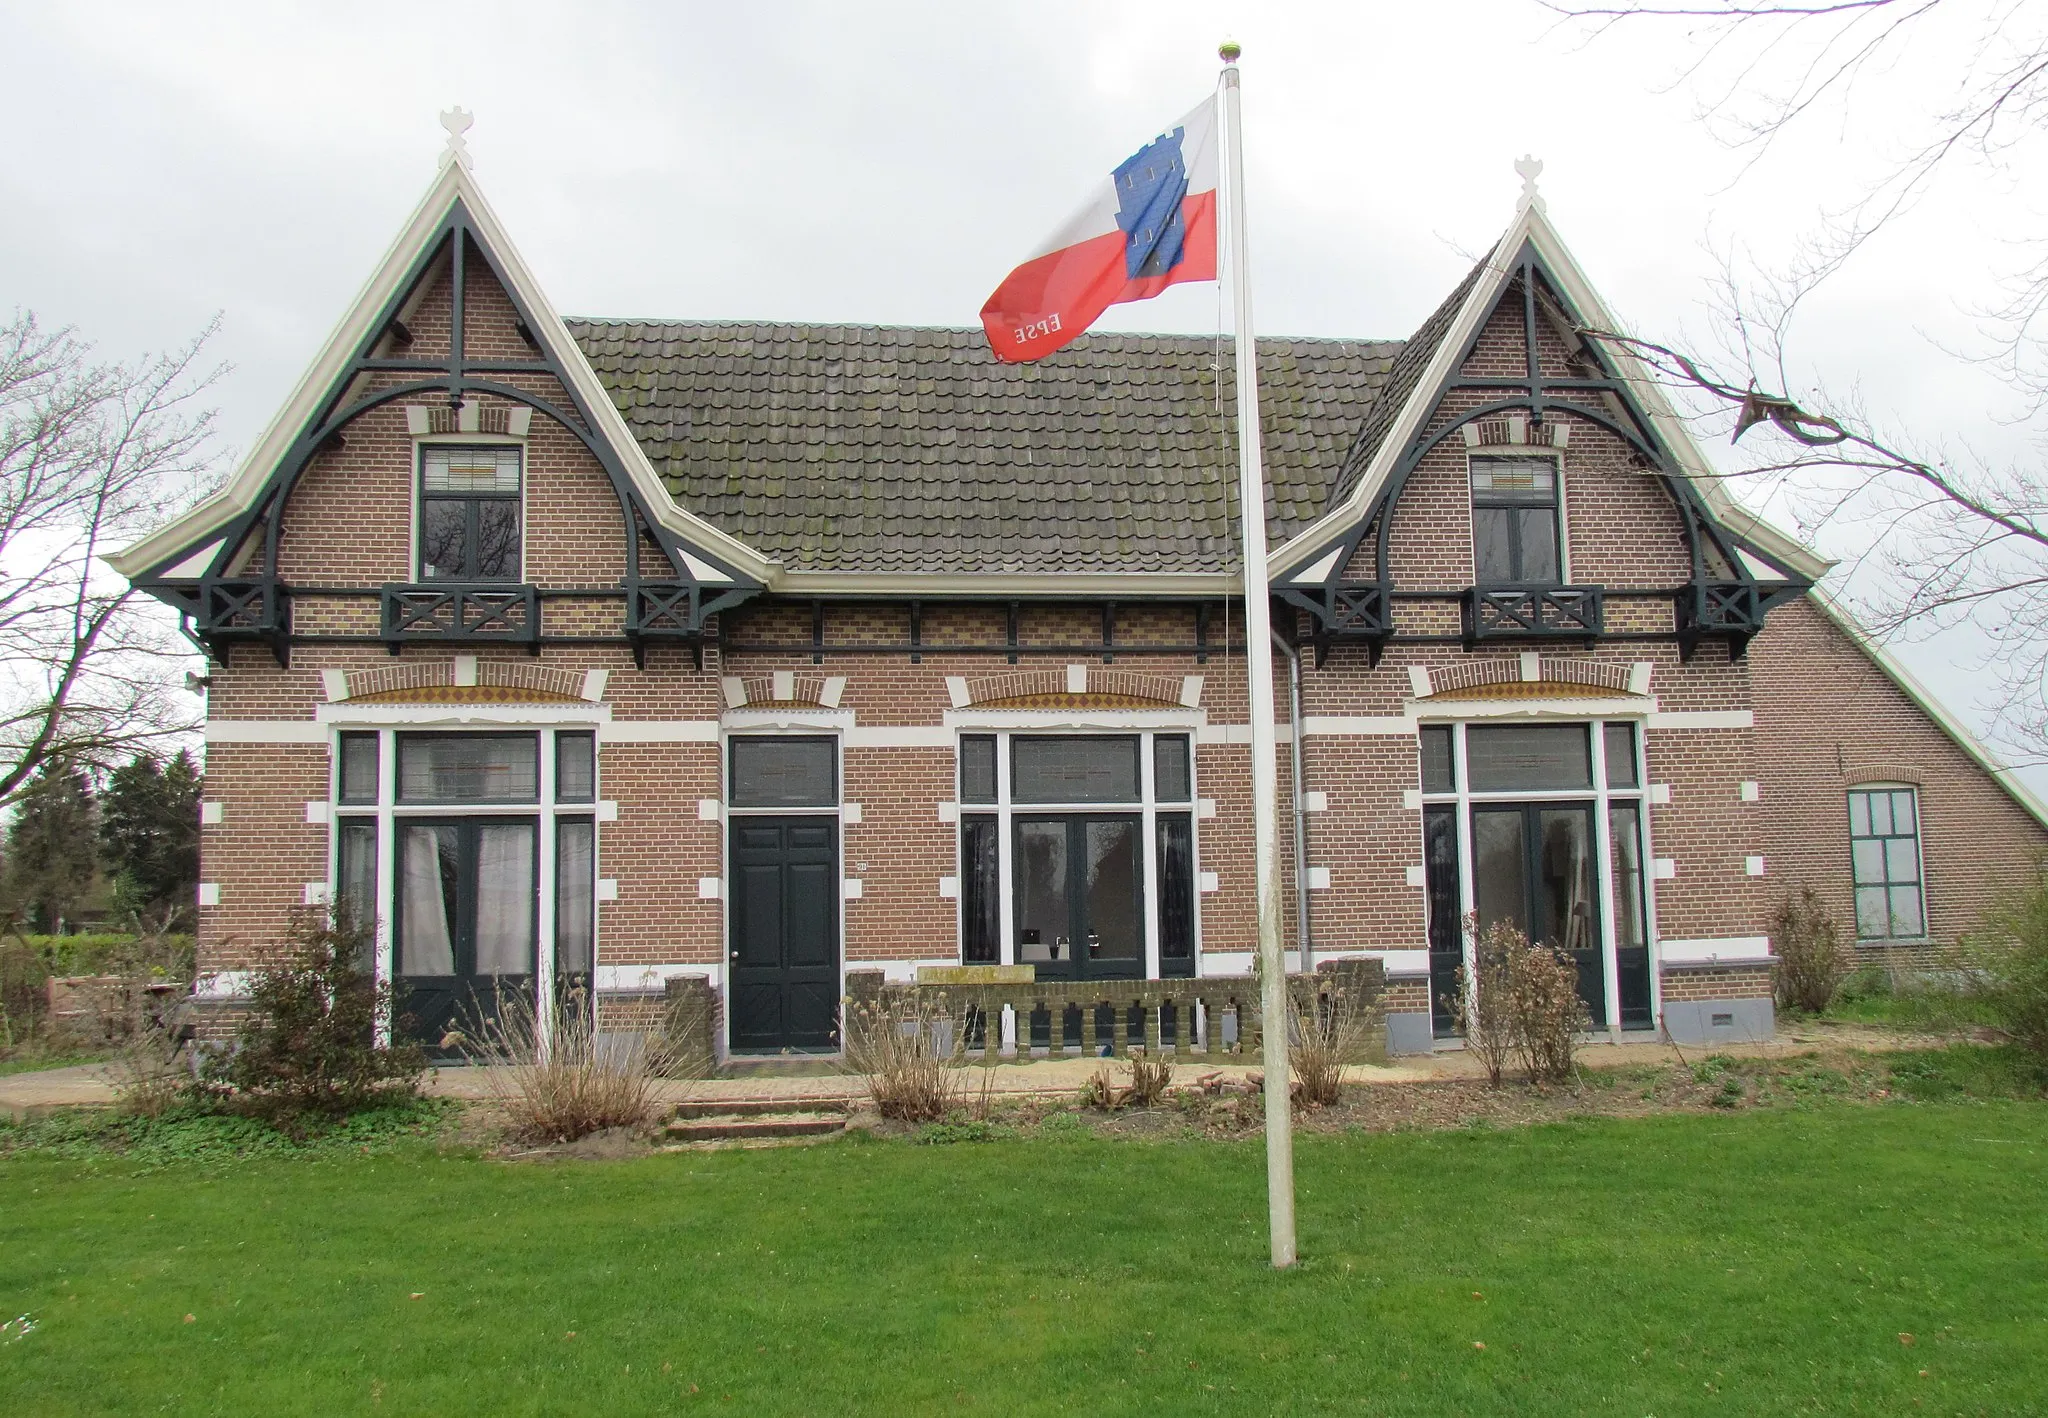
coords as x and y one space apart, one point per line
483 682
1077 687
1481 679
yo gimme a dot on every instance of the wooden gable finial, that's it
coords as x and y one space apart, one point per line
457 120
1529 169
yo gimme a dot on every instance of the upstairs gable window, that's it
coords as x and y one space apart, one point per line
470 513
1515 522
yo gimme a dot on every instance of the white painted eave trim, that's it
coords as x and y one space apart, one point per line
1919 693
454 183
973 584
1533 227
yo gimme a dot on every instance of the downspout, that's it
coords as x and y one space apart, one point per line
1301 915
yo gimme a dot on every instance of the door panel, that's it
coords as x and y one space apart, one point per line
1080 897
1500 887
785 933
1567 899
808 914
1044 904
1533 866
465 943
1114 918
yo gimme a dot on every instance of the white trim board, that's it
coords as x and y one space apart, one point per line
451 185
1532 227
1943 718
1733 950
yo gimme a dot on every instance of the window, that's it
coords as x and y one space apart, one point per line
1523 823
358 768
1621 755
468 768
1170 768
355 874
1438 775
1515 522
1176 894
1884 860
1077 853
575 895
981 903
469 514
779 772
1074 770
575 768
977 769
1516 757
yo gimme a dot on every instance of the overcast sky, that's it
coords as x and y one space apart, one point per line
890 162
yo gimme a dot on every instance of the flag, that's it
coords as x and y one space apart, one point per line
1150 224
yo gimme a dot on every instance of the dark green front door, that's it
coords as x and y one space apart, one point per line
466 928
1533 866
785 933
1080 896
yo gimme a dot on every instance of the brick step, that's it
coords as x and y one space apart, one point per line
758 1107
729 1128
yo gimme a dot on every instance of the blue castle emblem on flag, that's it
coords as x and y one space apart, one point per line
1149 187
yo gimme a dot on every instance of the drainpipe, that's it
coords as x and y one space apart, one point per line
1301 919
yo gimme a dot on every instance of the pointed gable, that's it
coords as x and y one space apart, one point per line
1505 362
452 314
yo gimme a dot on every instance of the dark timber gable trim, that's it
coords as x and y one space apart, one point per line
238 594
1726 597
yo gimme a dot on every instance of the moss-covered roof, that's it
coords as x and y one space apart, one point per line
891 449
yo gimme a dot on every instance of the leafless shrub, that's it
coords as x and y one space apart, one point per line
1811 961
1549 1015
147 1072
1526 1004
1483 1005
1150 1078
1329 1033
910 1050
1144 1087
572 1081
1099 1092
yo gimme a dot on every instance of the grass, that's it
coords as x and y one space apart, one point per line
1875 996
1764 1261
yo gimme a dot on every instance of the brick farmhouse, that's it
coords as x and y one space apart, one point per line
601 654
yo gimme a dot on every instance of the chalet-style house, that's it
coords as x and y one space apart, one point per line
614 652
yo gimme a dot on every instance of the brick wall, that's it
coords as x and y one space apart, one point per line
1828 718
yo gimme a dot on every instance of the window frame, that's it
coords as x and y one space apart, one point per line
389 814
1474 503
420 498
1147 807
1919 881
1602 796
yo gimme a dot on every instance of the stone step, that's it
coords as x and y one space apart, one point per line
758 1107
732 1128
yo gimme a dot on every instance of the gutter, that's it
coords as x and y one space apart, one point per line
1301 909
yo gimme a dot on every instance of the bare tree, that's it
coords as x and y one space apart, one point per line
92 454
1946 537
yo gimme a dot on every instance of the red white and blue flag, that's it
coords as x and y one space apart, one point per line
1151 224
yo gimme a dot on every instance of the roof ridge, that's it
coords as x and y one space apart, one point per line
663 322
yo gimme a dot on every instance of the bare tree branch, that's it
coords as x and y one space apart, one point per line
91 454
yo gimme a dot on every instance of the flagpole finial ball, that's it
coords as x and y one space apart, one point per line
1228 51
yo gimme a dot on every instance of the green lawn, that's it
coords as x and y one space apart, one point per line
1750 1263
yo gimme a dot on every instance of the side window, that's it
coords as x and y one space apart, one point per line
1884 861
1515 522
469 513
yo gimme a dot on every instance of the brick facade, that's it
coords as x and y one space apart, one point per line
1807 714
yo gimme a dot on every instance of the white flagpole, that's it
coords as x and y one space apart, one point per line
1258 660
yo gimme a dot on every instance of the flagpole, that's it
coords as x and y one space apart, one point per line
1258 659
